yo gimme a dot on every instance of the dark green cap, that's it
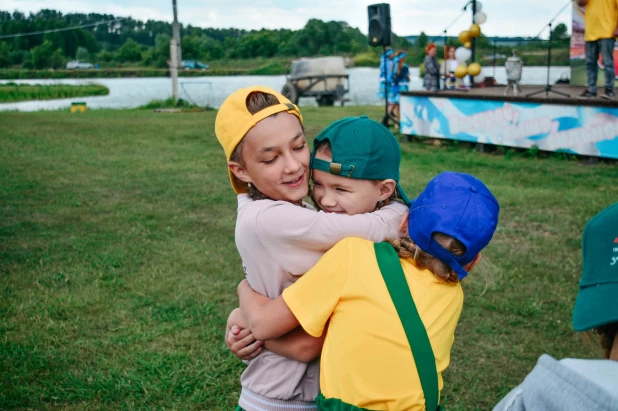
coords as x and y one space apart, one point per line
362 149
597 300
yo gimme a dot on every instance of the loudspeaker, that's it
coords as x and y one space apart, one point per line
379 24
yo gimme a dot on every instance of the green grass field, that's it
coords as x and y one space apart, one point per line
118 265
11 92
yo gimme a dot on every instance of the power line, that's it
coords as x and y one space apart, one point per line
63 29
554 18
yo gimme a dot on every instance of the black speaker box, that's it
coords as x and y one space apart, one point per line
379 24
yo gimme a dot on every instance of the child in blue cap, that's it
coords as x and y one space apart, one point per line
391 309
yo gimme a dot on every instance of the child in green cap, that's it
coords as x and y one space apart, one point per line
352 159
573 384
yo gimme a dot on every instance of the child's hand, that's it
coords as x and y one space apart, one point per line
239 339
242 343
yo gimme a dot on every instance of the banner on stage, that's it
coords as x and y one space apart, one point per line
574 129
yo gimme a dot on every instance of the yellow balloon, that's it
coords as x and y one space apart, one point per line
464 36
461 71
474 69
468 45
474 31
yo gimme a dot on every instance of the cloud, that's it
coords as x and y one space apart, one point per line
505 17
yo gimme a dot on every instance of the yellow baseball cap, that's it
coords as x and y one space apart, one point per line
234 121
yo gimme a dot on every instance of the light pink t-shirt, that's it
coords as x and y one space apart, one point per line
279 241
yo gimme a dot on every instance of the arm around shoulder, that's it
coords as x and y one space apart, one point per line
267 319
288 232
297 345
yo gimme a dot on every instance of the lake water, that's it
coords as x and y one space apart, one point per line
211 91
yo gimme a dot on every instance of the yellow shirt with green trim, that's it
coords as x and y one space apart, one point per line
601 19
366 360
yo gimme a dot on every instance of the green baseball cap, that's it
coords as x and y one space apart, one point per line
362 149
597 299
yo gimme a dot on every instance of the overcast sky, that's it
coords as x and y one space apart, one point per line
409 17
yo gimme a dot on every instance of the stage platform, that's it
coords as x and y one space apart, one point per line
484 115
497 93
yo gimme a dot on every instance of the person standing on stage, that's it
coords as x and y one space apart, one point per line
601 30
432 69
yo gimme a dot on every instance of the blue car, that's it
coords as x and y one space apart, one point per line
194 65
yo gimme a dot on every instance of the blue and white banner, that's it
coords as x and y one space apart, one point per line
575 129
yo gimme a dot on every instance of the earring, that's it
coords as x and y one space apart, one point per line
248 185
380 203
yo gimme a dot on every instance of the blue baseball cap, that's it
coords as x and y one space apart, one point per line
458 205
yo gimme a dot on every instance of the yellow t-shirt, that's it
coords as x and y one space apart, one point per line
366 360
601 19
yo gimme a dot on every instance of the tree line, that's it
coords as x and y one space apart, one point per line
130 42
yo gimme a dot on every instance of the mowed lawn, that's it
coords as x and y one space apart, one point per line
118 265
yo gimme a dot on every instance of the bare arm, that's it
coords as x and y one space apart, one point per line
297 345
268 319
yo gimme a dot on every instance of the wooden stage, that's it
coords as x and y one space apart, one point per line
549 121
496 93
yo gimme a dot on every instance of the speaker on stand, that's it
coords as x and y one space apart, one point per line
380 34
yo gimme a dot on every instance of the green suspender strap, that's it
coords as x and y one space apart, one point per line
398 288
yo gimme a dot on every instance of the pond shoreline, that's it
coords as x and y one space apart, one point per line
15 93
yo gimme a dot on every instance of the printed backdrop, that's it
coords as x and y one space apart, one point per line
579 130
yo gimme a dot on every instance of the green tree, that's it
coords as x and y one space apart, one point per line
422 41
560 32
129 52
41 55
5 55
57 60
104 56
82 54
161 51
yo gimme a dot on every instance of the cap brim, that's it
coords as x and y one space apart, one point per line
595 306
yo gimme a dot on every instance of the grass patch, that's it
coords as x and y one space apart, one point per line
169 103
11 92
119 268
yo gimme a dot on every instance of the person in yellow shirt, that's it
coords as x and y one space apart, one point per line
600 33
391 309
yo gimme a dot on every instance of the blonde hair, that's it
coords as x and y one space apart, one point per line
407 248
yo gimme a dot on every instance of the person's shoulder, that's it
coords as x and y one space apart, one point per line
356 248
251 210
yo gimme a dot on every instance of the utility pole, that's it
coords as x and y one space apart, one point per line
473 40
176 29
174 68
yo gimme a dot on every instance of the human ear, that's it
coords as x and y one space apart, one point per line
239 171
468 267
387 188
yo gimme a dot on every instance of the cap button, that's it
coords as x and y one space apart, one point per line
474 189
